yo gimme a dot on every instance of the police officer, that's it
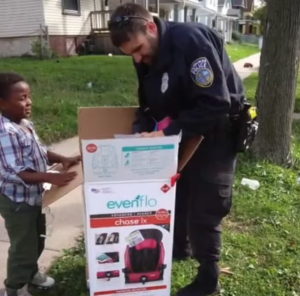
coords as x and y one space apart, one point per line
187 84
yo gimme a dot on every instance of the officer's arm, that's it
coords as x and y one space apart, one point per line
206 89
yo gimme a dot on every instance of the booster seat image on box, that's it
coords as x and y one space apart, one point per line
144 256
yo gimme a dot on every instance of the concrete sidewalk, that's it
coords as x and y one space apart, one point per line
66 219
245 72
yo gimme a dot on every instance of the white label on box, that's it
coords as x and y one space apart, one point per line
134 238
129 159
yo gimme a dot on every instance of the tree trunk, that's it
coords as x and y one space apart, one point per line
277 81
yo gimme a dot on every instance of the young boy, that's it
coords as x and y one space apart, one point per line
23 164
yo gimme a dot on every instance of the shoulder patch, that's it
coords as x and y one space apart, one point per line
201 72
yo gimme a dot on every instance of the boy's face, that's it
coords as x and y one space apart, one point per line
18 103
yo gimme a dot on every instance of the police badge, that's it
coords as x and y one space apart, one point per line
201 72
164 82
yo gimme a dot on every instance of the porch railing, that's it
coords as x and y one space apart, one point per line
99 20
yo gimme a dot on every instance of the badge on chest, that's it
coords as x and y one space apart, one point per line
201 72
164 82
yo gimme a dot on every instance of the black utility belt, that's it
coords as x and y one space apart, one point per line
245 125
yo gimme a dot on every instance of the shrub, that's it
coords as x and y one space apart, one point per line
236 36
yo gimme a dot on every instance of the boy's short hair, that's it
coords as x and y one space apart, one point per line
127 19
7 80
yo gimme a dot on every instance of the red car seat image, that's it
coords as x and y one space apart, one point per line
144 262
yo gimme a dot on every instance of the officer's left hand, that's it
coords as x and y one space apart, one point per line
153 134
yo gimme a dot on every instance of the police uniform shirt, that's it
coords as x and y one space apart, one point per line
191 80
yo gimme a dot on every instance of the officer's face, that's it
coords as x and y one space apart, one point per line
142 46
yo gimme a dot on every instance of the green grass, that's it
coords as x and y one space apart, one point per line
60 86
251 82
237 51
262 234
261 238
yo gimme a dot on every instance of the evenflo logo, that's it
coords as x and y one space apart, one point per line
140 201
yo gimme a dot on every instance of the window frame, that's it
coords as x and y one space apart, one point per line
156 5
66 11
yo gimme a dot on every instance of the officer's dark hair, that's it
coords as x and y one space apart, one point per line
7 80
127 19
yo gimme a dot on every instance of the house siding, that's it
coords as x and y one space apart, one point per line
16 46
20 18
60 24
211 4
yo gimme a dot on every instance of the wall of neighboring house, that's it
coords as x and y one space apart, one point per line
206 12
66 30
225 27
225 8
113 4
211 4
20 25
224 24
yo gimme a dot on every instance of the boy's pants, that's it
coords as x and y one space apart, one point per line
25 224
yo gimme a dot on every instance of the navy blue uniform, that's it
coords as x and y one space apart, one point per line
193 82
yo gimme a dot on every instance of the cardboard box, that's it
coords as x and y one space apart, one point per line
56 192
128 209
104 123
129 204
93 123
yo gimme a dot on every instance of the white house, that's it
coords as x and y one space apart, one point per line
212 13
64 25
61 24
224 22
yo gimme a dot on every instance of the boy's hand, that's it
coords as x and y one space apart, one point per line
61 179
67 162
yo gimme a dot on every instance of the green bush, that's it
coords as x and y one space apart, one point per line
41 49
236 36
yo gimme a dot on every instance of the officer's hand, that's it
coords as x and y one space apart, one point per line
153 134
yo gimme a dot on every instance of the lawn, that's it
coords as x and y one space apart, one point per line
261 243
60 86
262 234
251 84
237 51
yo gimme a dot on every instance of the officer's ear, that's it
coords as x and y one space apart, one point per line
151 28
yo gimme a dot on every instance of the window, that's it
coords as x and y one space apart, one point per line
71 7
153 6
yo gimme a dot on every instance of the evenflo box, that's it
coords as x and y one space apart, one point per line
129 199
129 205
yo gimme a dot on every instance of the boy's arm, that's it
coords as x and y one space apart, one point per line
58 179
65 161
54 157
14 170
11 160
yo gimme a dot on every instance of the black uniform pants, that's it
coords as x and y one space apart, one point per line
204 197
200 207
